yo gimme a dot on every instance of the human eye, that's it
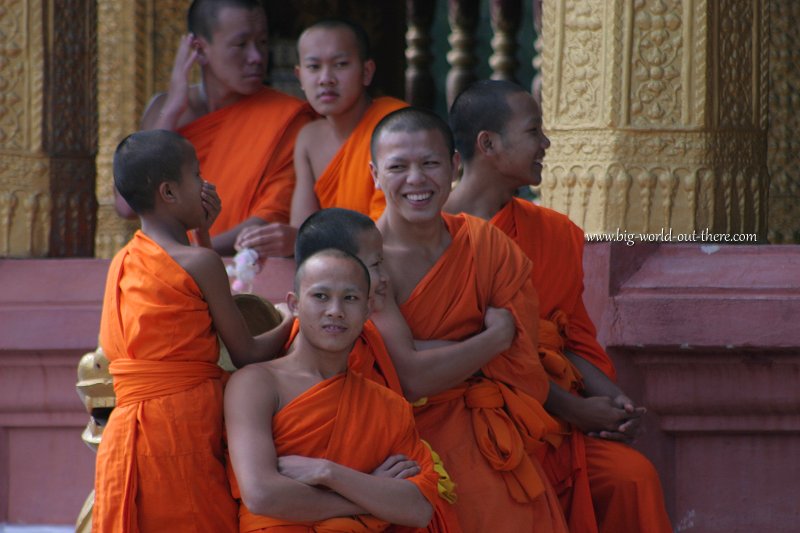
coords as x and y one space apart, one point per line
352 298
431 163
321 296
342 64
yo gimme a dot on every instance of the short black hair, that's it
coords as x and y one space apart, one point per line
481 106
361 36
412 119
146 159
334 227
329 252
202 15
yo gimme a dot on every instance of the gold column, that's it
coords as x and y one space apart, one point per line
136 46
48 128
657 113
783 157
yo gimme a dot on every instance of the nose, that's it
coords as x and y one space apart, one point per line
326 75
254 54
545 140
415 174
334 308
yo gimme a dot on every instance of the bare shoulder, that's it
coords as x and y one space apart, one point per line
254 378
314 132
203 264
151 112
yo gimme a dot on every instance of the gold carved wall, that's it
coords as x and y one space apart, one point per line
657 112
48 128
783 138
136 45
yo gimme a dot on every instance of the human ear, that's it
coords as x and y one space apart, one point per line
485 142
369 72
373 171
167 192
291 301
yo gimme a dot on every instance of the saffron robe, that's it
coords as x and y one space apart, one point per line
246 149
489 429
600 483
342 419
373 362
160 463
346 181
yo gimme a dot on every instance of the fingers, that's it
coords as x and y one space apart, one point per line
397 466
610 435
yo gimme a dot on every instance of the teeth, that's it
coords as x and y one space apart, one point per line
418 197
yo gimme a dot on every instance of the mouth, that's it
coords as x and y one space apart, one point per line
327 96
333 328
418 197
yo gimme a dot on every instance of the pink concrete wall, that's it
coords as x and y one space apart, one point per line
708 339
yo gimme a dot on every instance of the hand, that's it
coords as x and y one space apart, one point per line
398 467
178 92
599 416
270 240
307 470
211 203
501 321
630 428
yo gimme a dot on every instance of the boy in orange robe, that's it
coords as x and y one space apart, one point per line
484 414
160 466
311 442
603 484
243 132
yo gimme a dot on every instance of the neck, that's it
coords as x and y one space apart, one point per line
214 96
164 231
344 123
481 192
431 235
319 362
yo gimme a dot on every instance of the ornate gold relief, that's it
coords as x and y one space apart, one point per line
670 143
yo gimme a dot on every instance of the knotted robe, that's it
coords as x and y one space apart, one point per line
489 429
246 149
160 463
346 181
602 485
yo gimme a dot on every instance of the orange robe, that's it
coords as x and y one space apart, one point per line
372 361
603 485
347 182
160 463
246 149
339 419
490 429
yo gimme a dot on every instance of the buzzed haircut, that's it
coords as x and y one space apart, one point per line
146 159
362 39
481 106
202 15
410 120
329 252
331 228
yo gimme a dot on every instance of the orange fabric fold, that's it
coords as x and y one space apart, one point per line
246 149
489 429
336 420
615 490
159 465
372 361
346 181
555 247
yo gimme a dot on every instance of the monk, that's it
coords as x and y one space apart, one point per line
332 154
159 465
315 446
243 132
483 412
603 484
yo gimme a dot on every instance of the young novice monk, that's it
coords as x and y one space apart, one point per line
159 466
309 439
603 485
332 154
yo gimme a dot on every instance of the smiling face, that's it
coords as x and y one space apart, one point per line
415 170
522 143
331 72
236 54
331 302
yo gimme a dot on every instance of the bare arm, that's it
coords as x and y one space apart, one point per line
250 403
166 109
208 271
304 200
427 372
